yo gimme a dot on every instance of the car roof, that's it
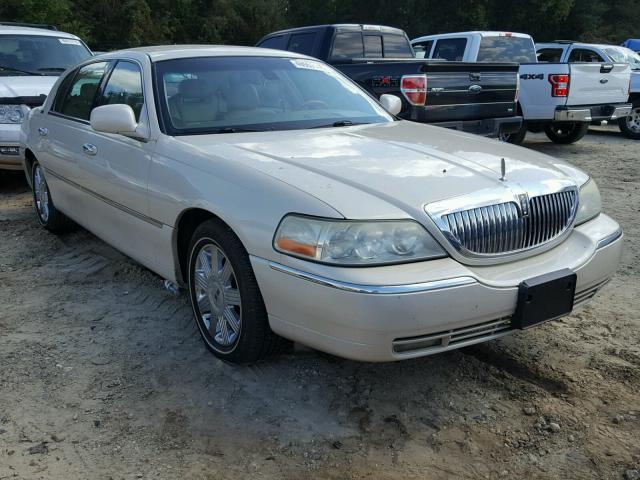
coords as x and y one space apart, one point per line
14 30
487 33
358 27
600 46
168 52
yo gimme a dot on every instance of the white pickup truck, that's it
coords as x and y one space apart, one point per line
574 52
561 99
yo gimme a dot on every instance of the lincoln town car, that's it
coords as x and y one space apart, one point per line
292 205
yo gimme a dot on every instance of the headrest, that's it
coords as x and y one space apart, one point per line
243 97
194 88
88 90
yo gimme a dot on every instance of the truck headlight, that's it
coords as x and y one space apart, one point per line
590 204
12 113
357 243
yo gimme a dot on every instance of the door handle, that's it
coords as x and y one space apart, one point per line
604 80
89 149
43 131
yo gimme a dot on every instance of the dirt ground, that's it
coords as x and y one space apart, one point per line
103 376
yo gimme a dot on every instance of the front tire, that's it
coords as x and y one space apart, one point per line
566 132
630 126
227 304
46 212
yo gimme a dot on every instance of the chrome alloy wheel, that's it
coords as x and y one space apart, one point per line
217 295
41 194
633 120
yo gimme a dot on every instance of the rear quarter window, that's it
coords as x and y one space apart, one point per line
423 49
302 43
506 49
279 42
451 49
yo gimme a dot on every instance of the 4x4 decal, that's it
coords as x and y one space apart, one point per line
532 76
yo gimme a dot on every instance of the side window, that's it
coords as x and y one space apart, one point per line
397 46
347 45
373 46
584 55
278 42
423 49
62 91
451 49
549 55
79 96
302 43
124 86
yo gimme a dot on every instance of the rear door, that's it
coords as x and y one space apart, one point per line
598 83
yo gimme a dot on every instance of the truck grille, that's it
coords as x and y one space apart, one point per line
508 227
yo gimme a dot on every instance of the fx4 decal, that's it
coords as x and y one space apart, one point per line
385 81
532 76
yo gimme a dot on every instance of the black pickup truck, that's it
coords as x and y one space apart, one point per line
474 97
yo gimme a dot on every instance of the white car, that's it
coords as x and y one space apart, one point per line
562 99
292 205
31 60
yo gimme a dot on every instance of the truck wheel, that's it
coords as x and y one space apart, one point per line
566 132
630 126
517 137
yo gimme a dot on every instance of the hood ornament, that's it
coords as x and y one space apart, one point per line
503 170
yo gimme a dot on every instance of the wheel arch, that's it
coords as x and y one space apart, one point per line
185 225
29 160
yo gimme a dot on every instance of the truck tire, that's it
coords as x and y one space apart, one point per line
630 126
515 138
566 132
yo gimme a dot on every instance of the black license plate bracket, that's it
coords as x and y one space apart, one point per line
544 298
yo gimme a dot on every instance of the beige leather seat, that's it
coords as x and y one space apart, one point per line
195 105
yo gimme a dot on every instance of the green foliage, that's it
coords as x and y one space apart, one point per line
112 24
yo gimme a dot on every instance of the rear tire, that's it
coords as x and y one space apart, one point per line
630 126
226 300
515 138
566 132
46 212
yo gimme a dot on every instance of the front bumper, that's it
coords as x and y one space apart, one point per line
406 311
490 127
10 139
593 113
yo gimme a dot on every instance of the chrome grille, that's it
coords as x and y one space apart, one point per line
509 227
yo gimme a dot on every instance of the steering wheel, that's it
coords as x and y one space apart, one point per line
315 105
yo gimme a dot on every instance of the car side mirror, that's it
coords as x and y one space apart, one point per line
117 118
391 103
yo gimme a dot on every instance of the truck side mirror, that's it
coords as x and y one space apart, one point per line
391 103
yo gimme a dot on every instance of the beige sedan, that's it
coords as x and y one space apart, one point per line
294 206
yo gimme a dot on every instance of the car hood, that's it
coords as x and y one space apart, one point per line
12 86
390 170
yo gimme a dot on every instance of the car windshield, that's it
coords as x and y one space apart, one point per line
39 54
230 94
624 55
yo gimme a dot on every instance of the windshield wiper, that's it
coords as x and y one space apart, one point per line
340 123
239 130
17 70
52 69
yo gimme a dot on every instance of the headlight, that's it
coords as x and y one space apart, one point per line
344 242
12 113
590 204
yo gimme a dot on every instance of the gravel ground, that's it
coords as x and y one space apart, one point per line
103 376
